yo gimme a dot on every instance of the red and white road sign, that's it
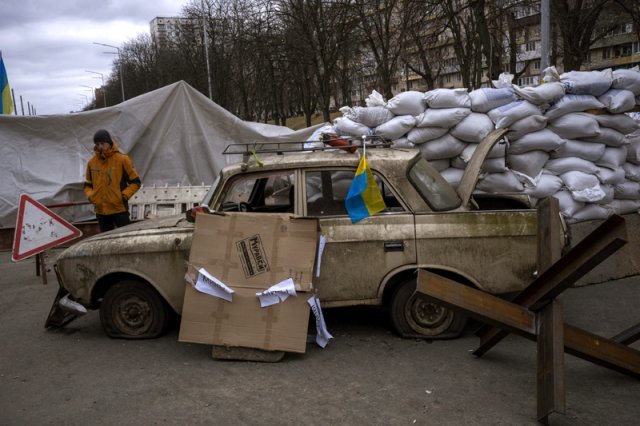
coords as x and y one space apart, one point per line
38 228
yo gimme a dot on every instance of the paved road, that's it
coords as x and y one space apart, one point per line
367 375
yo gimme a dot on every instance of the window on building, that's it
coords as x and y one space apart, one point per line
635 47
606 53
536 64
530 46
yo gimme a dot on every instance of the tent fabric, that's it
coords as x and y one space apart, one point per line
174 135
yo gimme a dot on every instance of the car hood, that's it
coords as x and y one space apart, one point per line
142 229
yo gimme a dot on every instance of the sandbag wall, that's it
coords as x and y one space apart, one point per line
571 137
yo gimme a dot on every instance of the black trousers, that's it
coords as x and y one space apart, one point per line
108 222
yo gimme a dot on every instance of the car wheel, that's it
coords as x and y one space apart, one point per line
133 310
417 317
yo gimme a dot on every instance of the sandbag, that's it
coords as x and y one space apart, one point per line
473 128
396 127
486 98
613 158
453 176
529 164
627 79
402 142
446 146
610 176
589 151
543 140
375 99
545 186
440 165
627 190
572 103
609 193
583 186
407 103
499 182
348 127
542 94
620 122
575 126
458 162
617 101
633 152
609 137
497 151
591 212
447 98
419 135
558 166
446 117
494 165
625 206
370 116
506 115
568 206
530 124
593 83
631 171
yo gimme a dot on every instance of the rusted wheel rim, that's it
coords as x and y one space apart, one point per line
426 317
132 314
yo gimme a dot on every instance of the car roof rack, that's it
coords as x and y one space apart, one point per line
331 143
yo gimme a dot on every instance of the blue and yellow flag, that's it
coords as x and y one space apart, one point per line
6 107
364 198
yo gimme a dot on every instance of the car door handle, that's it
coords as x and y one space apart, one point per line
393 246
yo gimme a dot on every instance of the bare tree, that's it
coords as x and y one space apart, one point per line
383 25
579 26
318 31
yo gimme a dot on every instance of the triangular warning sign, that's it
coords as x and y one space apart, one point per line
38 228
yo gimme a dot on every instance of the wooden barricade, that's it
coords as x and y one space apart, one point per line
536 313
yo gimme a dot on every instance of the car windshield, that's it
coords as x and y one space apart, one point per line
431 185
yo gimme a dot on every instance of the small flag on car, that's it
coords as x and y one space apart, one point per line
364 198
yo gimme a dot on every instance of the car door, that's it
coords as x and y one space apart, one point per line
357 256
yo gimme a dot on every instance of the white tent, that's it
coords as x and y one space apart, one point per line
174 135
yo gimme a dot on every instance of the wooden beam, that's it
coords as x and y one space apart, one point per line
519 320
550 384
628 336
550 375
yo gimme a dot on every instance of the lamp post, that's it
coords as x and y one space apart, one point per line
206 47
119 65
86 99
93 92
104 94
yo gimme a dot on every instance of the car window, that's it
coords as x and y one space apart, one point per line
432 187
327 191
271 192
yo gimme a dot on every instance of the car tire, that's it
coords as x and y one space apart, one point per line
133 310
417 317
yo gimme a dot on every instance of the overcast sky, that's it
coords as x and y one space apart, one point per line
47 45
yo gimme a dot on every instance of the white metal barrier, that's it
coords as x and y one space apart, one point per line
153 201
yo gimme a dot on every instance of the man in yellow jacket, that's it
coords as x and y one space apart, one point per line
111 180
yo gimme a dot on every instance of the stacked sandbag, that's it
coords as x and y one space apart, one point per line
570 137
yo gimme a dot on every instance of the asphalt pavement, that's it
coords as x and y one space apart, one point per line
366 375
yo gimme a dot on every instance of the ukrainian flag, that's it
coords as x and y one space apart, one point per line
6 107
364 198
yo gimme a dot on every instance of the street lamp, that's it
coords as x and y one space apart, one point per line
93 92
119 65
206 47
104 94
